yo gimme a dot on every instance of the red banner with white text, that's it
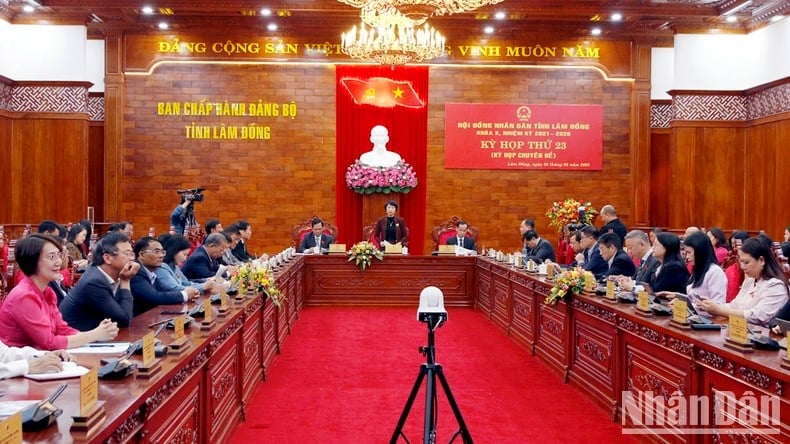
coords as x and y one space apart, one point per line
523 137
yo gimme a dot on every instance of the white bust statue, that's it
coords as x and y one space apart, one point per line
379 156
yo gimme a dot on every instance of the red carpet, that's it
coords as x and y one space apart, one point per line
345 374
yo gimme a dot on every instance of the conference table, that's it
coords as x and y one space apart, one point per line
604 349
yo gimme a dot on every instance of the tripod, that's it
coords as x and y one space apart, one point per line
430 371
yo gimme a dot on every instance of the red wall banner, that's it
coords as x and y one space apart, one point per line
515 136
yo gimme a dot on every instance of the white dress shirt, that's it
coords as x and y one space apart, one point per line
13 360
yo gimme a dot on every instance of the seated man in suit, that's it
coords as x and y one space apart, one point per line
104 290
233 236
526 225
591 258
315 241
541 249
460 238
638 246
620 264
240 251
203 262
151 255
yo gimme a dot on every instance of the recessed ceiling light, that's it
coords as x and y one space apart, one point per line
266 12
147 10
488 29
163 25
28 8
272 26
616 17
776 18
500 15
731 19
595 31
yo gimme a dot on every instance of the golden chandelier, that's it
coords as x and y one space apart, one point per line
395 41
419 10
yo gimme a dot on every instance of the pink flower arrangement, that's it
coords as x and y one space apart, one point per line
366 179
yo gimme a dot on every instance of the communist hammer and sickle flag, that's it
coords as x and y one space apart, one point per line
382 92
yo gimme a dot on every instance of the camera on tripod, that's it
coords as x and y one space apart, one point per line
192 194
431 309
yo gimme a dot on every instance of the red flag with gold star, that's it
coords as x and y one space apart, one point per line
382 92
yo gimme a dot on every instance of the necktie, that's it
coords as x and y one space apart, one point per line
460 242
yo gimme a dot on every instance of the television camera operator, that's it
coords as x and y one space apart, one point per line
184 213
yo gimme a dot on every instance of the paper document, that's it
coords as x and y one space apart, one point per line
70 370
8 408
220 271
101 348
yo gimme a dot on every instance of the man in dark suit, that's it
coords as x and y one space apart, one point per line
541 249
460 238
526 225
203 262
612 223
151 255
316 238
638 246
620 264
240 251
103 291
593 261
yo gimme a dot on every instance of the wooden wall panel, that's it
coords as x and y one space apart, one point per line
49 177
95 166
5 167
766 162
659 179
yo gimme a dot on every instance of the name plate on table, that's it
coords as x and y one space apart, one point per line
337 248
446 249
738 335
395 249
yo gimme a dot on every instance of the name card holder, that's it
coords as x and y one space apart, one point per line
786 357
738 335
208 316
11 429
92 414
680 315
395 249
223 309
643 305
150 365
447 249
337 248
180 342
610 297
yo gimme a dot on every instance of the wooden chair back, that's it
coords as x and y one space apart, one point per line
303 228
446 230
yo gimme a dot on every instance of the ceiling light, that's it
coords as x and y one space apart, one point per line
163 25
393 44
731 19
500 15
147 10
28 8
489 30
272 26
595 31
616 17
776 18
420 10
266 12
737 8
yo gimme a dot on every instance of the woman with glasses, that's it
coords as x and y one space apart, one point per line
764 291
103 291
168 275
151 255
29 316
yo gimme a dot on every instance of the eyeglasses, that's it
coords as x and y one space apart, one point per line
127 253
54 256
155 251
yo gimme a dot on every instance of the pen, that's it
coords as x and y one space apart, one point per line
100 345
160 322
165 312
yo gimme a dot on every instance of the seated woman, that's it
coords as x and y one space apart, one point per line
74 243
29 315
720 245
764 291
707 280
391 229
671 275
168 275
732 269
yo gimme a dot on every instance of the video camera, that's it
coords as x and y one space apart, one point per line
192 194
431 310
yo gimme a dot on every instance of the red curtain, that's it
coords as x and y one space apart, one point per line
408 132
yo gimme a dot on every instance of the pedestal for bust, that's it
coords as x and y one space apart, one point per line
373 207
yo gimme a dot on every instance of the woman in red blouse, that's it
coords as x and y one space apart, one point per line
29 316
